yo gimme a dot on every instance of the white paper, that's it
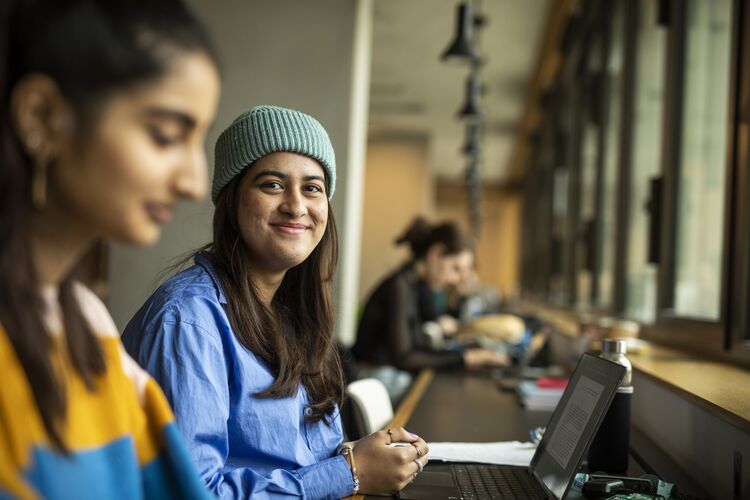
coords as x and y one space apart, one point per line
501 453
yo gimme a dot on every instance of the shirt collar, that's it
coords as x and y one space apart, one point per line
204 260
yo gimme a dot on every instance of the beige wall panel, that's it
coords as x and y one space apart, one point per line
398 187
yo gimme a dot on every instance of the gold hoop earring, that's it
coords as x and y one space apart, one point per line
39 183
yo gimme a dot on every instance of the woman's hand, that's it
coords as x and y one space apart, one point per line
383 469
478 357
448 324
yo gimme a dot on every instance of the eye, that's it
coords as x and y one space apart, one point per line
161 138
313 188
271 185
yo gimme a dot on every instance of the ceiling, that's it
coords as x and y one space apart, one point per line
414 93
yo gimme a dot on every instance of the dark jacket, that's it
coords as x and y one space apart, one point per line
390 329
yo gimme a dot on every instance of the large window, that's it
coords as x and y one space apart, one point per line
702 159
640 275
649 205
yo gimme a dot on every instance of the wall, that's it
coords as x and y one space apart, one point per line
700 442
398 187
497 249
509 244
286 52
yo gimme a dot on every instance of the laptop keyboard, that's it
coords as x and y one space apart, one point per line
480 482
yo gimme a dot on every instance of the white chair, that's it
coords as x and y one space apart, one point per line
371 404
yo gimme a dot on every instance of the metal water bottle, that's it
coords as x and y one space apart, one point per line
611 446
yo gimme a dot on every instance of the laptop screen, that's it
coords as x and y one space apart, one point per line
575 422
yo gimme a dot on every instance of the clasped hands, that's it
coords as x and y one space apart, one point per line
388 460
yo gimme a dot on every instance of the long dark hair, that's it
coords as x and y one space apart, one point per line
91 49
420 235
296 338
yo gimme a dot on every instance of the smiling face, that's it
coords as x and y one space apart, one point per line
122 178
282 210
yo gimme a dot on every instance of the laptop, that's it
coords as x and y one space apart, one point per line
554 465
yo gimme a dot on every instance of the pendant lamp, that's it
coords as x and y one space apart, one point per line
462 47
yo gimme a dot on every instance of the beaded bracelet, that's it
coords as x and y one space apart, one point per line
348 453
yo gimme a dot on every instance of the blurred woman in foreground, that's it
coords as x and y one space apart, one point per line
103 118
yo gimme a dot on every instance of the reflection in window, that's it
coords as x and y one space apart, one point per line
700 197
640 291
613 99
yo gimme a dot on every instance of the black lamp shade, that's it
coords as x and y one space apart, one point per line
471 109
462 46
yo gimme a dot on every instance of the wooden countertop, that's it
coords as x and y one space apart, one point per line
720 388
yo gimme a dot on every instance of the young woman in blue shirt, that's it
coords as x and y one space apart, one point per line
241 342
104 111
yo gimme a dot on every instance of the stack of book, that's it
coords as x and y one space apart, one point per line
542 394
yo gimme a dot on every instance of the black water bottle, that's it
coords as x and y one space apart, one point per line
611 446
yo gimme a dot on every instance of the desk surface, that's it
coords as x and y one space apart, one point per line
470 408
457 406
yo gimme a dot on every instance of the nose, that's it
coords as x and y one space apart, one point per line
192 176
293 203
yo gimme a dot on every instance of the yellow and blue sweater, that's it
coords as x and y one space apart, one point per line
123 439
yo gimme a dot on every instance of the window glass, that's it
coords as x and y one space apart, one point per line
700 182
640 280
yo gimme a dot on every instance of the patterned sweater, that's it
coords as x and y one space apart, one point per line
122 436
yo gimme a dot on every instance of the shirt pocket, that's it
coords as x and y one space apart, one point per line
322 438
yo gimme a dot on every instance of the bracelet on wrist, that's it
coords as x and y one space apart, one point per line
348 453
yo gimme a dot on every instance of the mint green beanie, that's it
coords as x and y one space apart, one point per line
268 129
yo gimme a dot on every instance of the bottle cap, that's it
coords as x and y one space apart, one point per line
614 346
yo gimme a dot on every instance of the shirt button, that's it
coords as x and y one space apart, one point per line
308 412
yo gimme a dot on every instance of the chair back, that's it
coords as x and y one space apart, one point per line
371 403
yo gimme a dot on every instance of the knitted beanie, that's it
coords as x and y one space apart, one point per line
268 129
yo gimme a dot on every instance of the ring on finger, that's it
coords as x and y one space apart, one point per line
419 452
390 435
420 467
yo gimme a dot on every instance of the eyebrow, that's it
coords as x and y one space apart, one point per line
171 114
282 175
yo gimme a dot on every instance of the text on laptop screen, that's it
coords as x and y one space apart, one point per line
574 422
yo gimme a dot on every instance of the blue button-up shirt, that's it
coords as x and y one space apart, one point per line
243 445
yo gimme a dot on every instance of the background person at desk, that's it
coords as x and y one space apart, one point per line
475 315
105 108
467 299
241 342
391 327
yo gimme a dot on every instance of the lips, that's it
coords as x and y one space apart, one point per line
289 227
161 213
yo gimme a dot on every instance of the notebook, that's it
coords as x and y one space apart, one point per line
553 467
